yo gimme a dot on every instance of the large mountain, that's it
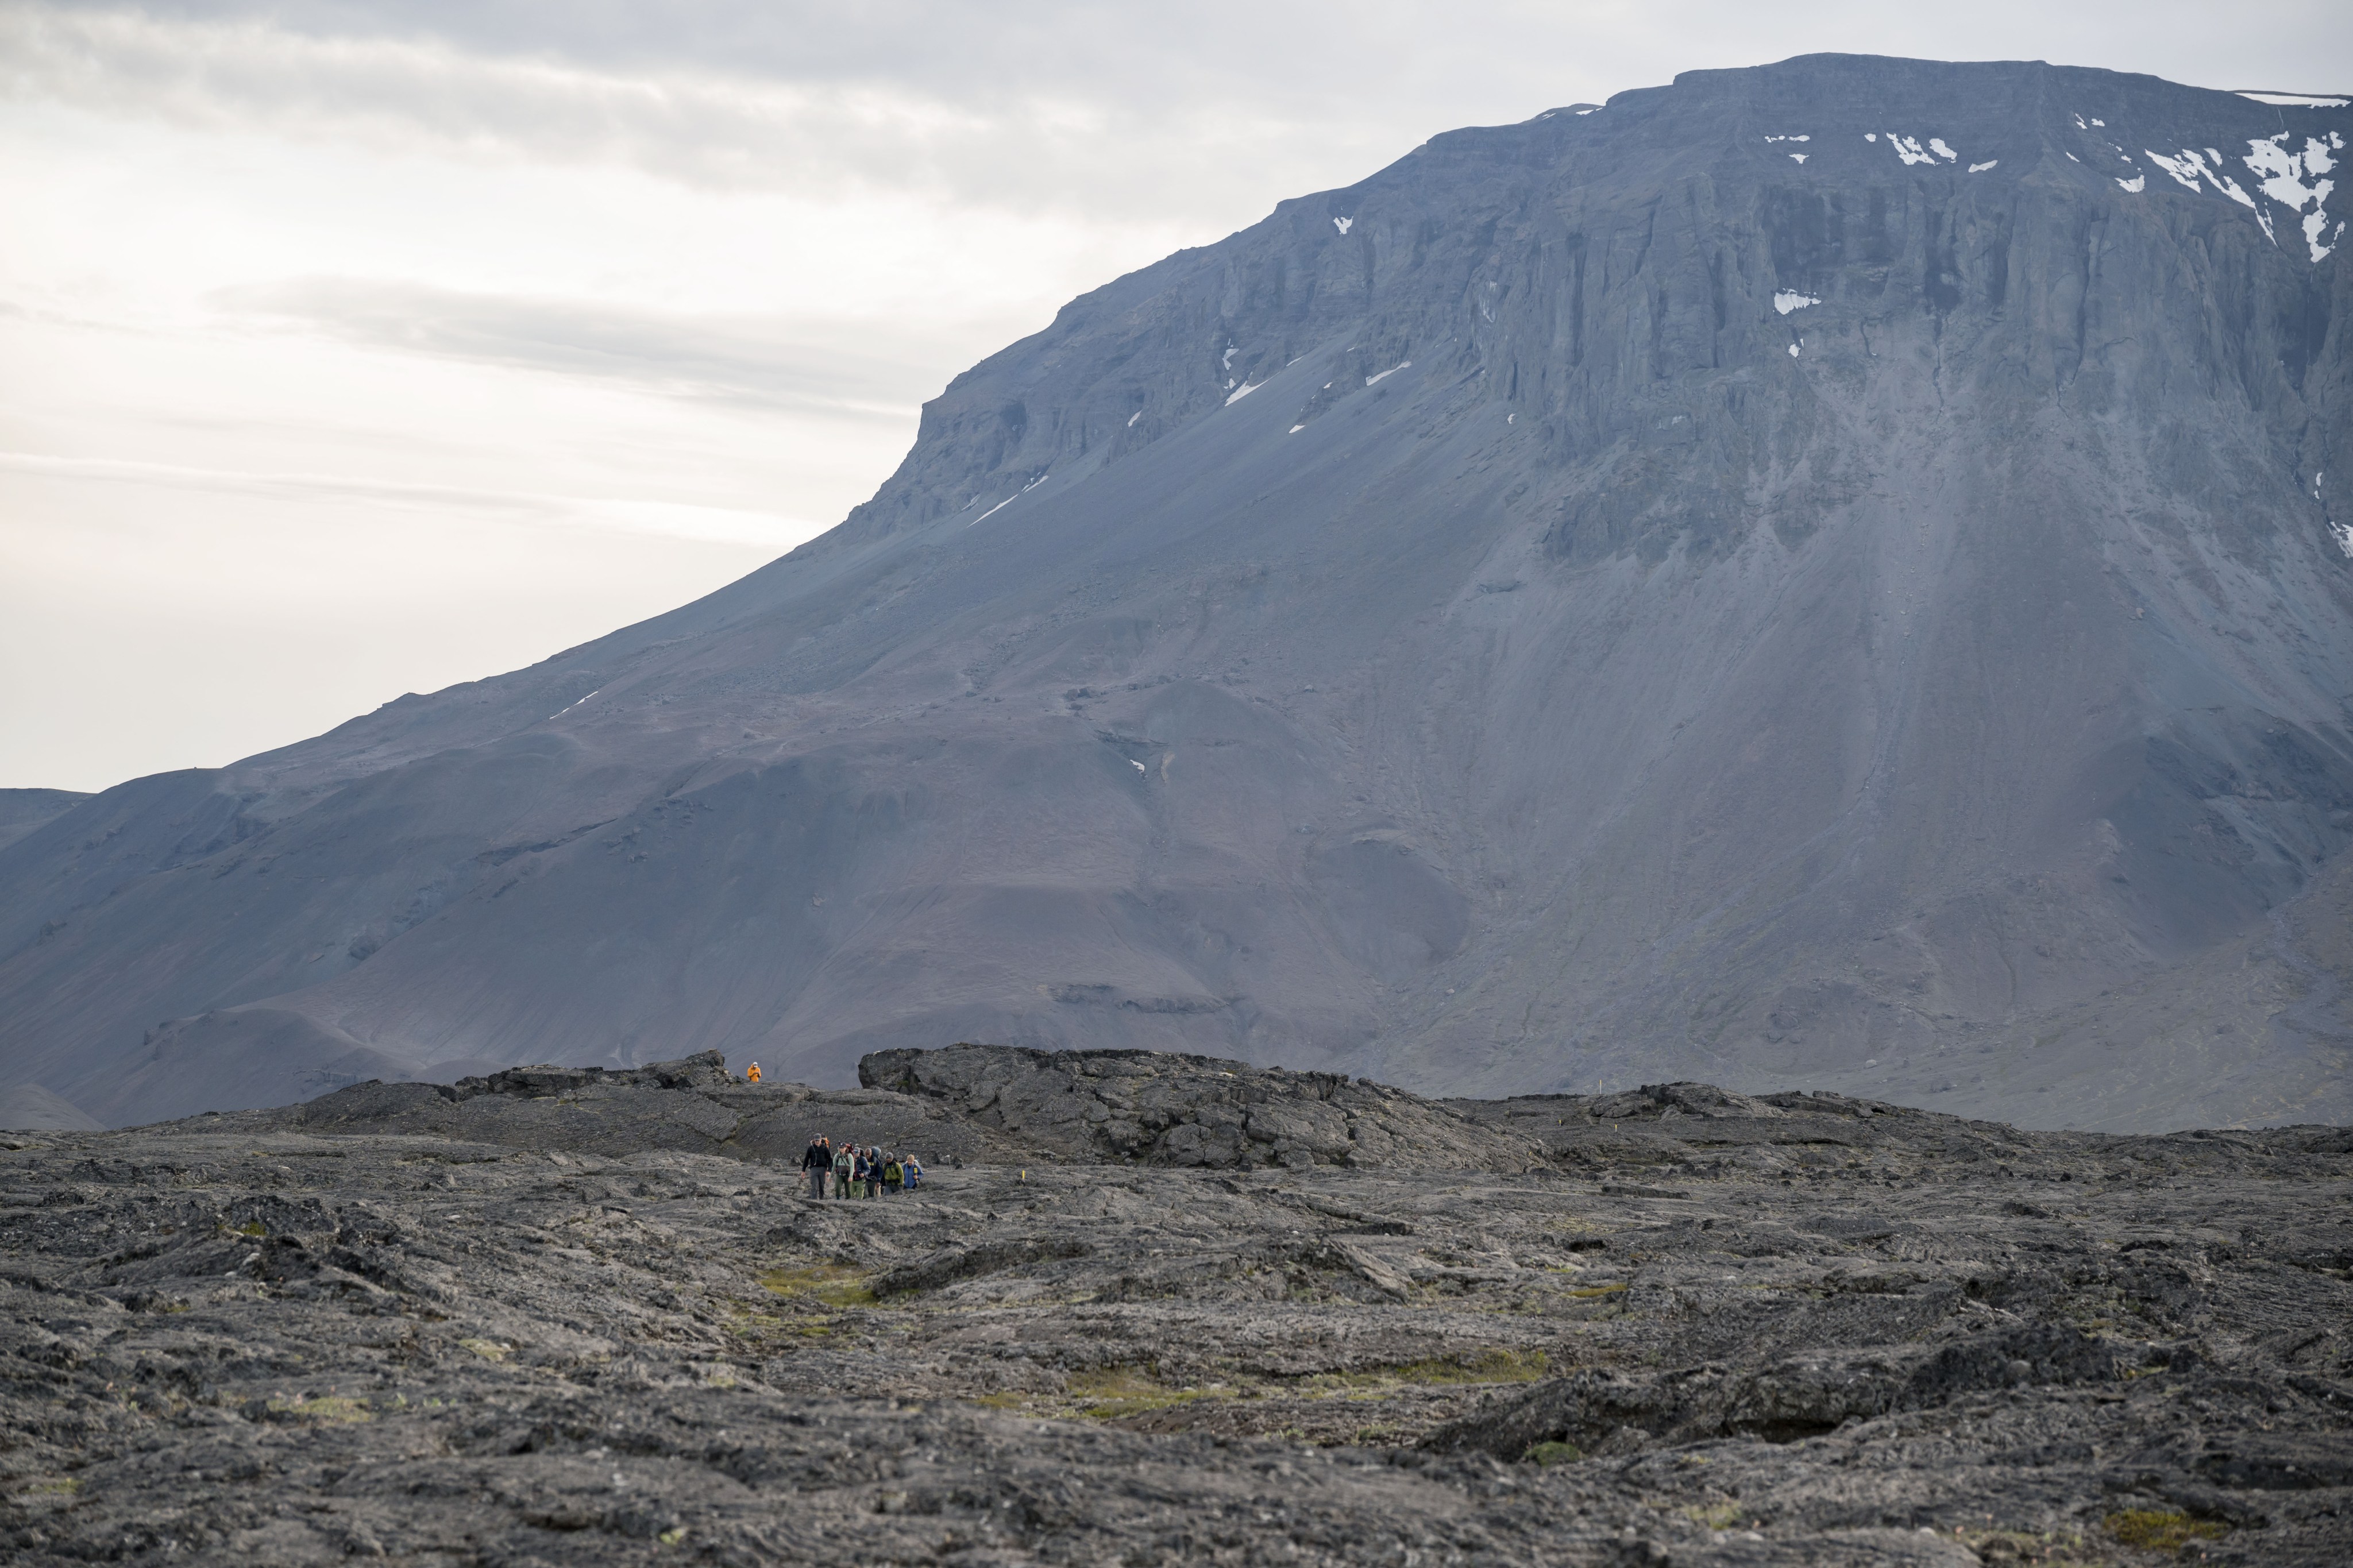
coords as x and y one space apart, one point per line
1818 574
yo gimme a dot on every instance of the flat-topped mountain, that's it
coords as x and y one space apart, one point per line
1824 574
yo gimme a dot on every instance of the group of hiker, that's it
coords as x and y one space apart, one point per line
852 1168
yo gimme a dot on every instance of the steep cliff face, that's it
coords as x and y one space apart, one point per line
1822 573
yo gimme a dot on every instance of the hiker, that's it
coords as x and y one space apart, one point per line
815 1164
874 1170
913 1169
894 1176
845 1164
754 1076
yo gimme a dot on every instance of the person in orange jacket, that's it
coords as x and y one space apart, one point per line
754 1076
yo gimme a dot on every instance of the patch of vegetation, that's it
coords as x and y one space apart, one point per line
748 1324
1590 1291
1115 1392
250 1227
489 1350
2159 1530
833 1284
51 1489
1558 1454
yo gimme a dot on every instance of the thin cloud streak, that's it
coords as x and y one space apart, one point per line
717 525
747 361
1062 150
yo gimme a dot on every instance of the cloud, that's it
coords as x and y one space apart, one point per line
1070 142
863 369
676 519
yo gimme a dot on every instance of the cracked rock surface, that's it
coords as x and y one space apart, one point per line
1703 1329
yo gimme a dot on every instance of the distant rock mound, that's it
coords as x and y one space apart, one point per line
689 1105
705 1070
29 1107
1164 1109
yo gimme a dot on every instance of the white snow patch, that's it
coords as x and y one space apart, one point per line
2185 169
568 706
1788 300
1936 145
1909 150
2191 167
1511 418
2079 123
1008 501
2344 536
2297 100
1294 430
1793 349
1796 157
1788 139
1401 364
1871 135
2101 123
1242 391
2136 184
1982 168
1587 110
1226 360
1133 417
1344 224
1139 767
2283 175
2073 159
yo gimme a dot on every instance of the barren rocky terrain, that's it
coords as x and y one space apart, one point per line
556 1316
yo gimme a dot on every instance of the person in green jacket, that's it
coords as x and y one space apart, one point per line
845 1164
893 1175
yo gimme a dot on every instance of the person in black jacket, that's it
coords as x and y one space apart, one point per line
817 1164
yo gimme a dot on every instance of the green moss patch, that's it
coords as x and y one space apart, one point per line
833 1284
2159 1530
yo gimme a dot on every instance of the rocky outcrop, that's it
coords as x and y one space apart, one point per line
703 1070
690 1105
1162 1108
1792 1397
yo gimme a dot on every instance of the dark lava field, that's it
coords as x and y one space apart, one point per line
1155 1309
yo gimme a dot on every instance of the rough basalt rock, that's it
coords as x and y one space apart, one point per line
314 1338
1785 1333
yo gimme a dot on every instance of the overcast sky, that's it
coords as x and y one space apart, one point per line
351 348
